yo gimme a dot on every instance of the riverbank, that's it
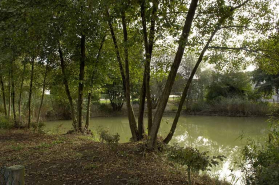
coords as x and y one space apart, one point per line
76 159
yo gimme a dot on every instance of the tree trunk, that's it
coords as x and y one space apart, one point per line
66 84
91 84
3 94
148 61
131 116
116 50
186 89
81 79
20 93
13 94
88 111
43 94
145 91
166 92
10 97
30 93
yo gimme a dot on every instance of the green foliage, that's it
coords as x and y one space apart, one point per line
261 164
109 138
267 84
5 123
38 126
229 85
193 159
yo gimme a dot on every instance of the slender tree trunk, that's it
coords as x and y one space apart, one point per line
141 108
132 121
131 116
116 51
13 94
186 89
30 93
148 61
91 84
67 89
88 111
145 91
166 92
81 79
20 93
3 94
43 94
10 97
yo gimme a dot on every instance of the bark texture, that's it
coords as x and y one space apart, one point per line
30 92
3 95
67 89
166 92
81 79
20 93
43 94
131 116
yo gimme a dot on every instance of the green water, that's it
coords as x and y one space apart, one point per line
219 135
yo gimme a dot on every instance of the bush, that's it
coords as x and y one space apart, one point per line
5 123
261 162
193 159
38 127
109 138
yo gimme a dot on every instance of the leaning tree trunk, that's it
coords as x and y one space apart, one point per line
43 95
13 94
67 89
20 93
166 92
30 93
3 94
91 84
80 86
131 116
186 89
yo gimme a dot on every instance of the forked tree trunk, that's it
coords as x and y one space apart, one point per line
67 89
20 93
186 89
133 125
43 94
131 116
166 92
3 95
30 93
81 79
145 91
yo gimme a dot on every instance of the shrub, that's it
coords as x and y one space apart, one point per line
38 126
5 123
109 138
261 162
193 159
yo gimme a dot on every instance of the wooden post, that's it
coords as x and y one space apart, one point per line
14 175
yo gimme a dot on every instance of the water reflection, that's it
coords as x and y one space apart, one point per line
219 135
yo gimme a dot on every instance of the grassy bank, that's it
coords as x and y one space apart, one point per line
76 159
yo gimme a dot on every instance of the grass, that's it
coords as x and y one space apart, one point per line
72 159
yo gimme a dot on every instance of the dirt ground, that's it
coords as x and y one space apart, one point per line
76 159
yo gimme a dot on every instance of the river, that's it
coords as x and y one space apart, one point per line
219 135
